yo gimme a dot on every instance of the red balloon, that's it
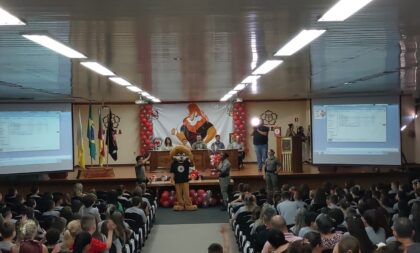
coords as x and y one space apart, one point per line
241 126
192 192
201 191
199 200
165 204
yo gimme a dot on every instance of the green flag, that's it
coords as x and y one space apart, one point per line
91 135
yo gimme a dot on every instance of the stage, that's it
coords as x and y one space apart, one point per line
124 174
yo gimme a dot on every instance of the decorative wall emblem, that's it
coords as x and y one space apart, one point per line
269 118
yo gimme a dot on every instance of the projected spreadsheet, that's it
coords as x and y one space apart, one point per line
43 131
357 123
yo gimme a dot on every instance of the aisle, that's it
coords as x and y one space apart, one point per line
177 234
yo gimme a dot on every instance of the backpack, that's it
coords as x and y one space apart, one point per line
30 246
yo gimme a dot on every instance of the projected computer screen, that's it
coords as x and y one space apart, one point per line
35 138
356 131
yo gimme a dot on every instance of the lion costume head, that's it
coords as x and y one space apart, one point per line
181 153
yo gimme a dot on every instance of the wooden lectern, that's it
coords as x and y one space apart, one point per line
289 152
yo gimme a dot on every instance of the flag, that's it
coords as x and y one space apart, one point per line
80 148
111 142
101 140
91 135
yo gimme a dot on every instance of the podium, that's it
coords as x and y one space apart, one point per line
289 152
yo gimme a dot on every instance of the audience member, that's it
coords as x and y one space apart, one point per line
287 208
357 229
347 244
326 227
8 233
88 201
404 232
314 240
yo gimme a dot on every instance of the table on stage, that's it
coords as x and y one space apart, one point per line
162 160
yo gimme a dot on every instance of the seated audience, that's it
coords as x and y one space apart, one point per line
309 223
287 208
347 244
266 214
314 240
51 211
404 233
136 208
88 209
52 240
299 246
73 229
375 233
326 227
357 229
8 233
277 241
28 244
249 205
88 224
278 223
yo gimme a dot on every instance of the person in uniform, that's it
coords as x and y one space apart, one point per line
271 167
224 179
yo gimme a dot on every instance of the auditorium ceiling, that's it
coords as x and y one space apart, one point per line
198 50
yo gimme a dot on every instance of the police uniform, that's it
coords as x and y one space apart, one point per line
271 178
224 178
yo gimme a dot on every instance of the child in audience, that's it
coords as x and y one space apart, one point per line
73 229
28 244
88 224
8 233
88 201
52 240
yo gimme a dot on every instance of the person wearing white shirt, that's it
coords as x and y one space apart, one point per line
235 144
167 145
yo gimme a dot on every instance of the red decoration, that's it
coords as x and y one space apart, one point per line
239 121
146 128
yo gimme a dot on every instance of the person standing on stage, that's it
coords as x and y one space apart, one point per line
141 169
217 145
260 140
271 167
199 144
224 179
235 144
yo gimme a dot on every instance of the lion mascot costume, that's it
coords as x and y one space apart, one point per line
180 167
196 123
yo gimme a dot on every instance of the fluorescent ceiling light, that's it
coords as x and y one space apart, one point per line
225 97
54 45
98 68
343 10
145 94
250 79
134 88
120 81
232 92
156 100
266 67
8 19
299 41
239 87
403 128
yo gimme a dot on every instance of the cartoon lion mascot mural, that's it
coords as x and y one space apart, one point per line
196 123
182 161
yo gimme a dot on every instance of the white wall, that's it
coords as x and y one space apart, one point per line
127 141
286 111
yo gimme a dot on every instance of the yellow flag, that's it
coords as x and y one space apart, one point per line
80 147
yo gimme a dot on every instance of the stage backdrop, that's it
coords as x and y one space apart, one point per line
185 121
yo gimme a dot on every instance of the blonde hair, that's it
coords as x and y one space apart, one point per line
78 189
29 230
73 228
